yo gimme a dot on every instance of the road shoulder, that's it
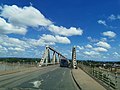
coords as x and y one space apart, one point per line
84 81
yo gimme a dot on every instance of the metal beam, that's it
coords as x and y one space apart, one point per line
57 52
46 57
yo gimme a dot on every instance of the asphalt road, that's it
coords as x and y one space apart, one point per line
47 78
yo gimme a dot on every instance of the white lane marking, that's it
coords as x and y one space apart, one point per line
36 83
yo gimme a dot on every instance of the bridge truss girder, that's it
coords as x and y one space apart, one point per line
45 60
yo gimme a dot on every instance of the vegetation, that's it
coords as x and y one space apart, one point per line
21 60
98 63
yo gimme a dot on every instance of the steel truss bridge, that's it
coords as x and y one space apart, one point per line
51 76
56 57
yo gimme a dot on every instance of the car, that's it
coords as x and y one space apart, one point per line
64 63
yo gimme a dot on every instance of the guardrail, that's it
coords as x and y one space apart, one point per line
110 80
15 66
111 83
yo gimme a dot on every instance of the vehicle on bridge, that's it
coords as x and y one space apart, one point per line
64 63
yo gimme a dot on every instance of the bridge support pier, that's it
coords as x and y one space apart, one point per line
54 58
58 60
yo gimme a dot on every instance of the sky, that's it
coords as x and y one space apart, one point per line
27 26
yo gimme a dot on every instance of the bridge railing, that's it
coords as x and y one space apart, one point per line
110 80
5 66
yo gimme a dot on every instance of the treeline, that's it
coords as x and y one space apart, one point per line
97 63
21 60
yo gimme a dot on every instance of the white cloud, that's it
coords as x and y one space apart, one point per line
26 16
80 47
54 39
77 51
21 45
3 49
103 44
65 31
116 54
20 18
100 49
16 49
97 49
63 40
118 17
104 39
91 53
112 17
102 22
7 28
110 34
88 46
49 40
92 39
13 42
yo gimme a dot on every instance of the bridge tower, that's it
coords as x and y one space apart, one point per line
74 62
46 57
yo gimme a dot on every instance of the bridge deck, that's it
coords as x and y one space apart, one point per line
43 78
85 81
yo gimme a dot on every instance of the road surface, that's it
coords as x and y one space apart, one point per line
46 78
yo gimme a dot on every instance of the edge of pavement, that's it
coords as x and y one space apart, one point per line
75 80
29 69
82 84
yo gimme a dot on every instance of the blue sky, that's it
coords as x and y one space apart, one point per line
92 26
